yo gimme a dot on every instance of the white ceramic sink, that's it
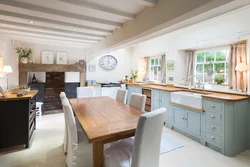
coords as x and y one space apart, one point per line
188 99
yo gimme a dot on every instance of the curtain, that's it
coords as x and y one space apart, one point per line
190 64
146 59
237 80
163 68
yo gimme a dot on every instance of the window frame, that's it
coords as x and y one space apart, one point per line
225 62
151 78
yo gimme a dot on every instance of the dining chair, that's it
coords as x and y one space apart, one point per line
144 149
121 95
138 101
65 139
80 153
85 92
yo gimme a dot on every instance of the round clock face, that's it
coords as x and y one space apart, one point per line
108 62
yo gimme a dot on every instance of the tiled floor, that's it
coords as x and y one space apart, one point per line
47 151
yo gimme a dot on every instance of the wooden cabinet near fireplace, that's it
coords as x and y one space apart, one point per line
17 119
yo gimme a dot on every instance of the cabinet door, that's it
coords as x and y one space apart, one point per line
193 122
178 117
137 90
97 91
155 99
164 102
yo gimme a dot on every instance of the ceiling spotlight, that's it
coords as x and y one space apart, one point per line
31 22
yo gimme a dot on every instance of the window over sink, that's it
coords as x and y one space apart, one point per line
211 65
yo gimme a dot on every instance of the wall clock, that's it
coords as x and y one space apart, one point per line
108 62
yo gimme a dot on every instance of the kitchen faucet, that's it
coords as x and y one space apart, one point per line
190 83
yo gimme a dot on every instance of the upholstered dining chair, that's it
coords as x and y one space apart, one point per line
143 150
138 101
121 95
65 140
80 153
85 92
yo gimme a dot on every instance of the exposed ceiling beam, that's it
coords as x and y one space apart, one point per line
7 29
58 12
93 36
43 37
100 8
44 20
148 3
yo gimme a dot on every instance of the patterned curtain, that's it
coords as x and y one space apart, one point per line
237 80
190 64
163 69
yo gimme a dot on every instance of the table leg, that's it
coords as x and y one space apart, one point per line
98 148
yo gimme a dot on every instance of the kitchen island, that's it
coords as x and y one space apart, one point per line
17 119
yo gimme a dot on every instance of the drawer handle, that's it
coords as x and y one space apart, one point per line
212 105
213 127
212 137
212 116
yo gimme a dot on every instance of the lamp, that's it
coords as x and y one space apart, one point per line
7 70
241 67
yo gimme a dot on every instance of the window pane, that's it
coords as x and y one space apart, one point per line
155 73
200 57
227 68
159 61
218 77
159 68
156 61
152 62
199 68
208 67
219 67
200 76
221 56
209 56
208 78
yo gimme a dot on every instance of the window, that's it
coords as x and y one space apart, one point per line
212 64
155 68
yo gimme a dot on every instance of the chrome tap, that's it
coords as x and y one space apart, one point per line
194 85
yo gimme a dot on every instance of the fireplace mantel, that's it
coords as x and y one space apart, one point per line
24 69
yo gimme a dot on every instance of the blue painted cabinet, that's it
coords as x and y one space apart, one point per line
178 117
133 89
155 100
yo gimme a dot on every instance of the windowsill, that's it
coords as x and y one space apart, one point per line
217 88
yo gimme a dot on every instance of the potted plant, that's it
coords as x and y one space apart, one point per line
219 80
134 75
24 54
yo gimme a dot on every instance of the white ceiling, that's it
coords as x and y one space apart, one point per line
79 22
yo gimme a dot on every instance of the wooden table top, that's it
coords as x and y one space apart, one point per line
11 96
104 118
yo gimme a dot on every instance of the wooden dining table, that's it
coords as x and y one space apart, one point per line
105 120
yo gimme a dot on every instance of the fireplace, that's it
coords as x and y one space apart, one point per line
53 87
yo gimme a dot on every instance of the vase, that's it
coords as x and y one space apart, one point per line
133 80
24 60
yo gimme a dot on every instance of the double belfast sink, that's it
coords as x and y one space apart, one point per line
189 99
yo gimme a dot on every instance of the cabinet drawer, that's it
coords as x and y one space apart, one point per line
214 106
213 139
214 117
148 101
213 127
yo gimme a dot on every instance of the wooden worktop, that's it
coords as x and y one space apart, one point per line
207 94
11 96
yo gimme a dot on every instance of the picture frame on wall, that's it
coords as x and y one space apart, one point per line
92 68
47 57
61 57
170 64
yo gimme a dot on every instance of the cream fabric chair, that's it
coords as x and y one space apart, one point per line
65 140
85 92
80 153
121 95
138 101
144 150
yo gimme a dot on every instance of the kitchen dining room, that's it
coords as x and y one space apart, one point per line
124 84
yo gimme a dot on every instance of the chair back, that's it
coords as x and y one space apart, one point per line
121 95
138 101
146 150
71 123
62 95
85 92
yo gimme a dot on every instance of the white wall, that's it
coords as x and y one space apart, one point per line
123 67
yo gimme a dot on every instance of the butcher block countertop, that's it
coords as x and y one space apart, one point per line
11 96
206 94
